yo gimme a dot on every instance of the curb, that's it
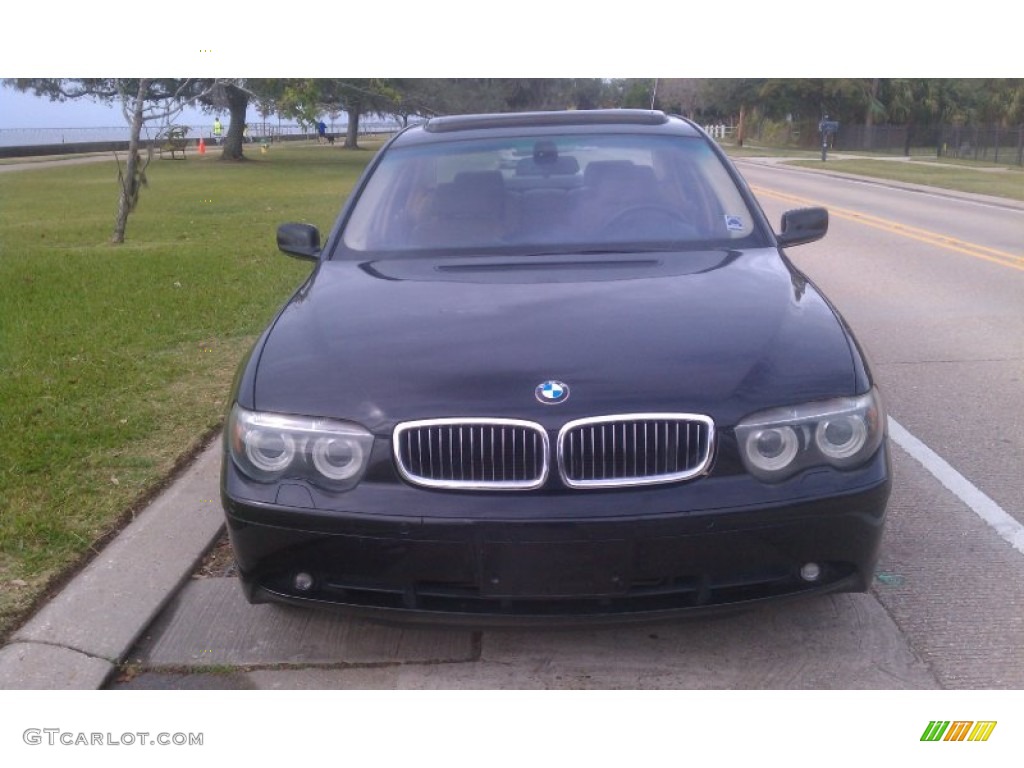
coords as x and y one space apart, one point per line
78 639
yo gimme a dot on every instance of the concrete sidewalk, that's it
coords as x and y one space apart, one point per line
209 637
32 163
78 639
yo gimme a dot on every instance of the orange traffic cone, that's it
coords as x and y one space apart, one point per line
202 146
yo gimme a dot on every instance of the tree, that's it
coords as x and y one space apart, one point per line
736 96
634 93
357 97
995 100
133 178
418 97
142 101
681 96
233 96
914 102
873 109
466 95
306 99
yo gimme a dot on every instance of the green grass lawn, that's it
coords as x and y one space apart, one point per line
1002 180
980 178
755 150
115 361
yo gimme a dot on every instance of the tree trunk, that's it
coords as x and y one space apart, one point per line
130 180
238 102
869 115
909 138
352 133
742 127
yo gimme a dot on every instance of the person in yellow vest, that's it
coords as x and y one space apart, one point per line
218 129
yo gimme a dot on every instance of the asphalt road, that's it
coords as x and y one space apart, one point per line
933 286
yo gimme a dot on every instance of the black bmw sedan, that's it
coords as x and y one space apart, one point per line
554 366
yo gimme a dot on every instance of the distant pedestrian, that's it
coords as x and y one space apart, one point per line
218 129
321 132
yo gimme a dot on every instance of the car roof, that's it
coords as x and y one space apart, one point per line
542 123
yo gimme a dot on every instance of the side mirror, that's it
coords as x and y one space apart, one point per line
299 240
804 225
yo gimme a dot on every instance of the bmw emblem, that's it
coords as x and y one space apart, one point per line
552 392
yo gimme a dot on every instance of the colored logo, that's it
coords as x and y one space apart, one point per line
958 730
552 392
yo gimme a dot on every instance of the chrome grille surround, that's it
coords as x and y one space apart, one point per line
632 449
472 454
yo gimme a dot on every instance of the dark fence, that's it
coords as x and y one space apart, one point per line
993 144
984 143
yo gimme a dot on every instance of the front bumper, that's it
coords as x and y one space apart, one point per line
503 568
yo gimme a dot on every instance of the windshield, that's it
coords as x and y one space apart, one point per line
558 194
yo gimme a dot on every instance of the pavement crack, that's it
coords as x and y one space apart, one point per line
64 647
917 653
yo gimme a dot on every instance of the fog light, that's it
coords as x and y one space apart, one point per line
810 572
304 582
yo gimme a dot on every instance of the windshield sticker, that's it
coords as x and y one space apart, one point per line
734 223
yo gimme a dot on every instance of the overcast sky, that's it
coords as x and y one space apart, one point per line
533 38
26 110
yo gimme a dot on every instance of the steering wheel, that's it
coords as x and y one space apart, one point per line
662 219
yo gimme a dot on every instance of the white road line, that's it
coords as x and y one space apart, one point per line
998 519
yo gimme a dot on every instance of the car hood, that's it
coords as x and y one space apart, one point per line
719 333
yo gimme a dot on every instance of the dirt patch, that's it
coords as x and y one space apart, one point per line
219 561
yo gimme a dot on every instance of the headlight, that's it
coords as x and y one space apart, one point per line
773 448
337 458
267 447
843 433
269 452
841 438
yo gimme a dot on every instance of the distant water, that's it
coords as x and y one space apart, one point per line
27 137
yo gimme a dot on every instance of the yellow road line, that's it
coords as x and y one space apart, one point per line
914 233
